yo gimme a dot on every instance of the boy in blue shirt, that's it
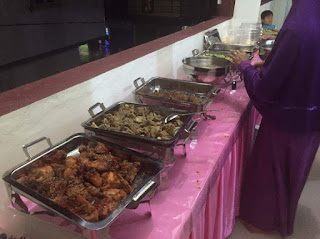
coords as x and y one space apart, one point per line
267 19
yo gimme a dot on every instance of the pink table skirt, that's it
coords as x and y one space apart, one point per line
217 216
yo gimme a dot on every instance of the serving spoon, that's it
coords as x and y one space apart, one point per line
172 116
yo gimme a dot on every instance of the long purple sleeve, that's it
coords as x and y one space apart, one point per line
266 87
287 90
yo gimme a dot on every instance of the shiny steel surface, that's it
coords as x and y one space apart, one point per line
265 48
232 47
158 84
208 66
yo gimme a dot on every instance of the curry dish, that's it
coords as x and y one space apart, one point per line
91 185
139 120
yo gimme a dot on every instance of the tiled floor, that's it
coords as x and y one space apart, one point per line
307 224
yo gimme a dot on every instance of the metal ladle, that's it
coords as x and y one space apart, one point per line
175 115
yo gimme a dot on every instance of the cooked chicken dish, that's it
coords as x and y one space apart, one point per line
139 120
176 95
91 185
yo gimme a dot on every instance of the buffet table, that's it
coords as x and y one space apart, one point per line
202 200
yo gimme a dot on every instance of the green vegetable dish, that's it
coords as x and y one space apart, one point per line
269 32
223 56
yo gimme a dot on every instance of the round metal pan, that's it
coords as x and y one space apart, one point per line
202 65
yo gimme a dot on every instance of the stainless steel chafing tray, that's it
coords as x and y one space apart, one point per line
163 148
145 183
232 47
144 93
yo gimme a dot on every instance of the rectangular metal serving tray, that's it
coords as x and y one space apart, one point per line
149 179
187 120
232 47
158 84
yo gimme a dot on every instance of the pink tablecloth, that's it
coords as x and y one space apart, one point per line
203 197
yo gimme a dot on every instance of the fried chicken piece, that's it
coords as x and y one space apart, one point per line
94 191
58 169
105 207
94 177
129 170
70 173
101 149
85 210
76 187
116 194
87 152
112 162
71 162
113 180
30 181
58 156
83 148
99 165
52 187
79 206
43 172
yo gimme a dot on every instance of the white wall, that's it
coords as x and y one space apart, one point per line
281 9
289 5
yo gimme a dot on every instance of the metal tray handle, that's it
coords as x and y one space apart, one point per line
18 204
144 191
195 52
141 194
191 127
90 110
136 81
26 146
215 91
207 105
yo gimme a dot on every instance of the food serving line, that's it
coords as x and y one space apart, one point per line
203 194
194 188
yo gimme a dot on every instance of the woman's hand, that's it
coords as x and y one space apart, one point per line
268 37
238 57
259 65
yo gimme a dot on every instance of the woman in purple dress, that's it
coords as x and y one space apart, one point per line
287 93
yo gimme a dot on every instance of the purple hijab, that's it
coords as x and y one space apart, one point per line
287 90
